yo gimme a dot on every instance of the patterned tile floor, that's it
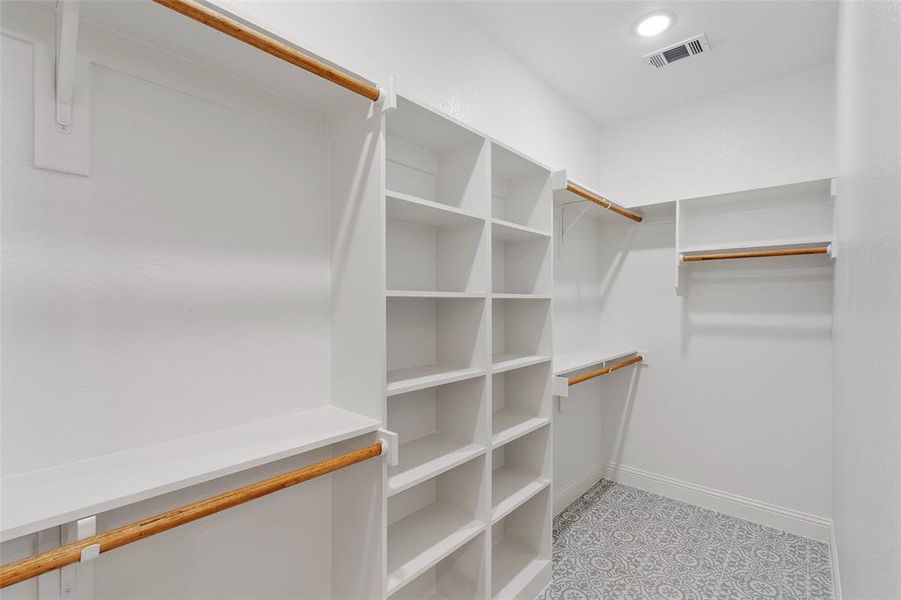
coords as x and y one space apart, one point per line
620 543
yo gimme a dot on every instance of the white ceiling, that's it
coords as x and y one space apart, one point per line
587 51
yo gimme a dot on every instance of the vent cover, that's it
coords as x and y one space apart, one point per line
670 54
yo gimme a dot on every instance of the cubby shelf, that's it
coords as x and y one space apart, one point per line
427 457
411 209
521 296
507 361
425 376
429 294
512 232
32 501
513 567
420 540
510 488
506 426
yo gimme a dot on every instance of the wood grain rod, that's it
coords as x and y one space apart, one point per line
755 254
603 371
27 568
601 201
243 33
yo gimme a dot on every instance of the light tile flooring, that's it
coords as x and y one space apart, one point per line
620 543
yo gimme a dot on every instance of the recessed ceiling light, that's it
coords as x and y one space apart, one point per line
654 24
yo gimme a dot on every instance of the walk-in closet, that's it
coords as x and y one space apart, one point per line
450 300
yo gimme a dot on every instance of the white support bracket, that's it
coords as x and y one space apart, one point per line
62 98
77 581
388 95
561 390
66 44
388 440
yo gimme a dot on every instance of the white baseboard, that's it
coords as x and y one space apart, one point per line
836 579
567 494
771 515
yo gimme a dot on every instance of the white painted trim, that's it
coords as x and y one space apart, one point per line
564 495
836 578
771 515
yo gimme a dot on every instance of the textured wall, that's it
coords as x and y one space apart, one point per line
867 338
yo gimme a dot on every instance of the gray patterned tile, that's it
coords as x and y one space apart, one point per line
617 542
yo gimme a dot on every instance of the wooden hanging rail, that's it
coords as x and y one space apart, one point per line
27 568
601 201
243 33
755 254
598 372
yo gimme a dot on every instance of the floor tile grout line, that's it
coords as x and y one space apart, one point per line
719 581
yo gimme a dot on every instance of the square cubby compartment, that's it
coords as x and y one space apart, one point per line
462 575
429 521
520 332
521 549
438 428
520 190
433 158
521 402
520 469
520 261
432 249
432 341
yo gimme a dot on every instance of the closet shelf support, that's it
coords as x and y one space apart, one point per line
243 33
603 202
90 547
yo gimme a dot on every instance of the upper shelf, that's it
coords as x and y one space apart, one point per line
49 497
588 357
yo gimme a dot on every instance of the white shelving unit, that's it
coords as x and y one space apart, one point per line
468 295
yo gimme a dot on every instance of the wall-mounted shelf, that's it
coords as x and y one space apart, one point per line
33 501
785 220
588 357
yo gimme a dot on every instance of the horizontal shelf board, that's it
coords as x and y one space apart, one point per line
410 209
421 377
418 541
513 232
507 361
589 357
430 294
757 245
514 567
511 487
49 497
521 296
506 426
427 457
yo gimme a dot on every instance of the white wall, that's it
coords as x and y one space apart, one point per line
867 357
439 57
781 131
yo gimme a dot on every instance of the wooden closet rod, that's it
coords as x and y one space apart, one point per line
755 254
71 553
239 31
598 372
600 201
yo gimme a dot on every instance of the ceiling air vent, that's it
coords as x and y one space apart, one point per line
670 54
